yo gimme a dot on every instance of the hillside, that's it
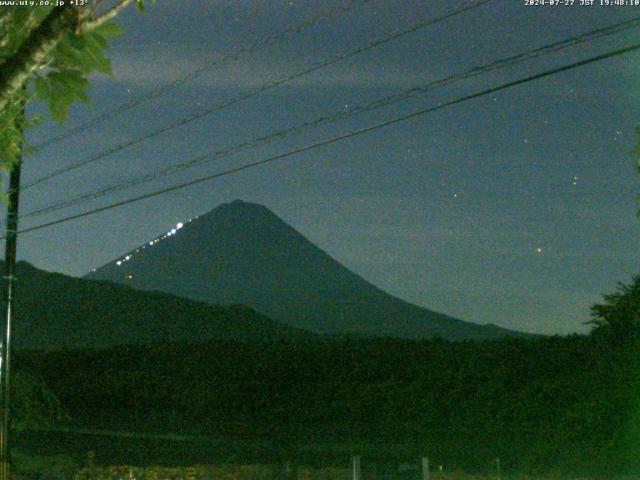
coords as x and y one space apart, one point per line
54 310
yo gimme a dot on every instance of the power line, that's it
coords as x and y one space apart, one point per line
379 103
271 85
336 139
269 40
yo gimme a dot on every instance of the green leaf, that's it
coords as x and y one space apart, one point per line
69 80
109 29
93 56
77 41
83 97
140 4
98 40
42 88
66 56
65 87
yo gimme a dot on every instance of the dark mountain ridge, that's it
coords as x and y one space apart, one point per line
243 253
57 311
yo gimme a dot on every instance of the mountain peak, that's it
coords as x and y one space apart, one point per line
241 203
241 207
240 212
243 253
238 204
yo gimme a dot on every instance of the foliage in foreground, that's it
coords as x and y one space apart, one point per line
47 53
618 317
554 405
545 406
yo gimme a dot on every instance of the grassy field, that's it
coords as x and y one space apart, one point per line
65 467
205 472
253 472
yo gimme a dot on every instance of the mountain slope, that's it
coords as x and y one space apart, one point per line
243 253
54 310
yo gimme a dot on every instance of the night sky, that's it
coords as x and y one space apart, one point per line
517 208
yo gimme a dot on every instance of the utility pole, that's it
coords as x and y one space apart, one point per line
426 474
357 467
8 283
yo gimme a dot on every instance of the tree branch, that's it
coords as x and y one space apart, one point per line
31 22
89 25
5 16
34 50
5 20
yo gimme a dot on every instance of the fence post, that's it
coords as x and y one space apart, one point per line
357 468
425 468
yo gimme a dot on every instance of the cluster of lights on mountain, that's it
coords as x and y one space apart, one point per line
170 233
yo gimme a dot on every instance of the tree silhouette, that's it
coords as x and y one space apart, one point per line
619 316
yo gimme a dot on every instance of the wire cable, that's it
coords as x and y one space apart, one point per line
376 104
269 40
338 138
271 85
